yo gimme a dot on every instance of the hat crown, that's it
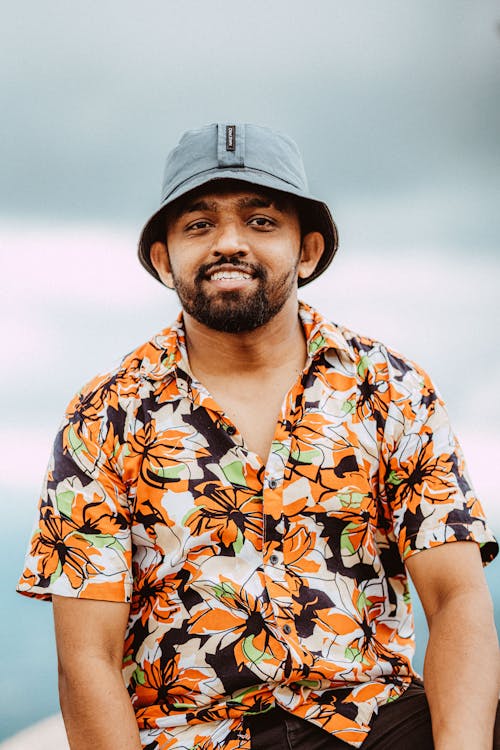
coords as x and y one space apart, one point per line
233 146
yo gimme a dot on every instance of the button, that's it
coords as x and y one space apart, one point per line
287 629
272 483
274 559
230 429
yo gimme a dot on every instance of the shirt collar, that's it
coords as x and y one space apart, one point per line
164 352
167 351
322 334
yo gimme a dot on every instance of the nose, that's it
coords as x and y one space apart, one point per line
229 240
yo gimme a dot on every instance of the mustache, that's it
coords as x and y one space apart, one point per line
252 268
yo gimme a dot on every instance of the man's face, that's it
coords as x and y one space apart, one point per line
232 254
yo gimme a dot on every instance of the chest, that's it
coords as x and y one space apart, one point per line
305 442
253 412
205 501
252 402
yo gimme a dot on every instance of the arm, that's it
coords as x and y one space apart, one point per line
96 707
461 670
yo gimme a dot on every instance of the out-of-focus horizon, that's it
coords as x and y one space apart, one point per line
395 108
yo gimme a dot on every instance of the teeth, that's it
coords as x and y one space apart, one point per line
218 275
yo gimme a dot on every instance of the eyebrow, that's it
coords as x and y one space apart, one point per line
254 202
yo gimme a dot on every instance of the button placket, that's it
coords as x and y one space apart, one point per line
273 542
273 486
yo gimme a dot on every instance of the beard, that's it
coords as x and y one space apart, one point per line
236 311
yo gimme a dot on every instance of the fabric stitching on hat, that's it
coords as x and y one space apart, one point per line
247 169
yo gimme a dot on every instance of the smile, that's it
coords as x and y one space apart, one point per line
222 275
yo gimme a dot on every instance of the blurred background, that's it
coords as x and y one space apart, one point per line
396 109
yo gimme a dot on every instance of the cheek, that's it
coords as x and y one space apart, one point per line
184 254
290 254
185 268
294 245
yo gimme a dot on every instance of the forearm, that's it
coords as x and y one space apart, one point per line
461 672
96 707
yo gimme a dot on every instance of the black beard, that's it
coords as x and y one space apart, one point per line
234 312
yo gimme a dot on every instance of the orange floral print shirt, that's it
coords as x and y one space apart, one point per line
250 585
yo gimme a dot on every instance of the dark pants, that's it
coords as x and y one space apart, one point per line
404 724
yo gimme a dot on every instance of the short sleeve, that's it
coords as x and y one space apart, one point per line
429 493
81 542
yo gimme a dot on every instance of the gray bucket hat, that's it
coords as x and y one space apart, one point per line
243 152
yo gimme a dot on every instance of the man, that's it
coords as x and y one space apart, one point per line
229 516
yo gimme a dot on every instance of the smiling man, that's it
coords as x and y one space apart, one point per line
268 221
229 517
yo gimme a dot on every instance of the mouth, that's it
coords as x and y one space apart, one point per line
229 277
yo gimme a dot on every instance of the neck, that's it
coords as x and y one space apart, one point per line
281 340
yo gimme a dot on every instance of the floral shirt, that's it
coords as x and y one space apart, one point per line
255 585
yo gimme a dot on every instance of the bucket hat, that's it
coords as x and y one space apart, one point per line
247 153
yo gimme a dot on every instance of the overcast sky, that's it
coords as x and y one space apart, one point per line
395 105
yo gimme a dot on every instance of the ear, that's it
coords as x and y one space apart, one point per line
311 250
161 262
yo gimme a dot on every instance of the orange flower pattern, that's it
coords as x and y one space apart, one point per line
249 585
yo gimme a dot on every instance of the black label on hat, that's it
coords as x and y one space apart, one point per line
230 137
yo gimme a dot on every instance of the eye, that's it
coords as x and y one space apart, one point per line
200 224
262 222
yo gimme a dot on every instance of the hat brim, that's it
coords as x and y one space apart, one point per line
319 217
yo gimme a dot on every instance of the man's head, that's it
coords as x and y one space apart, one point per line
257 156
234 252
